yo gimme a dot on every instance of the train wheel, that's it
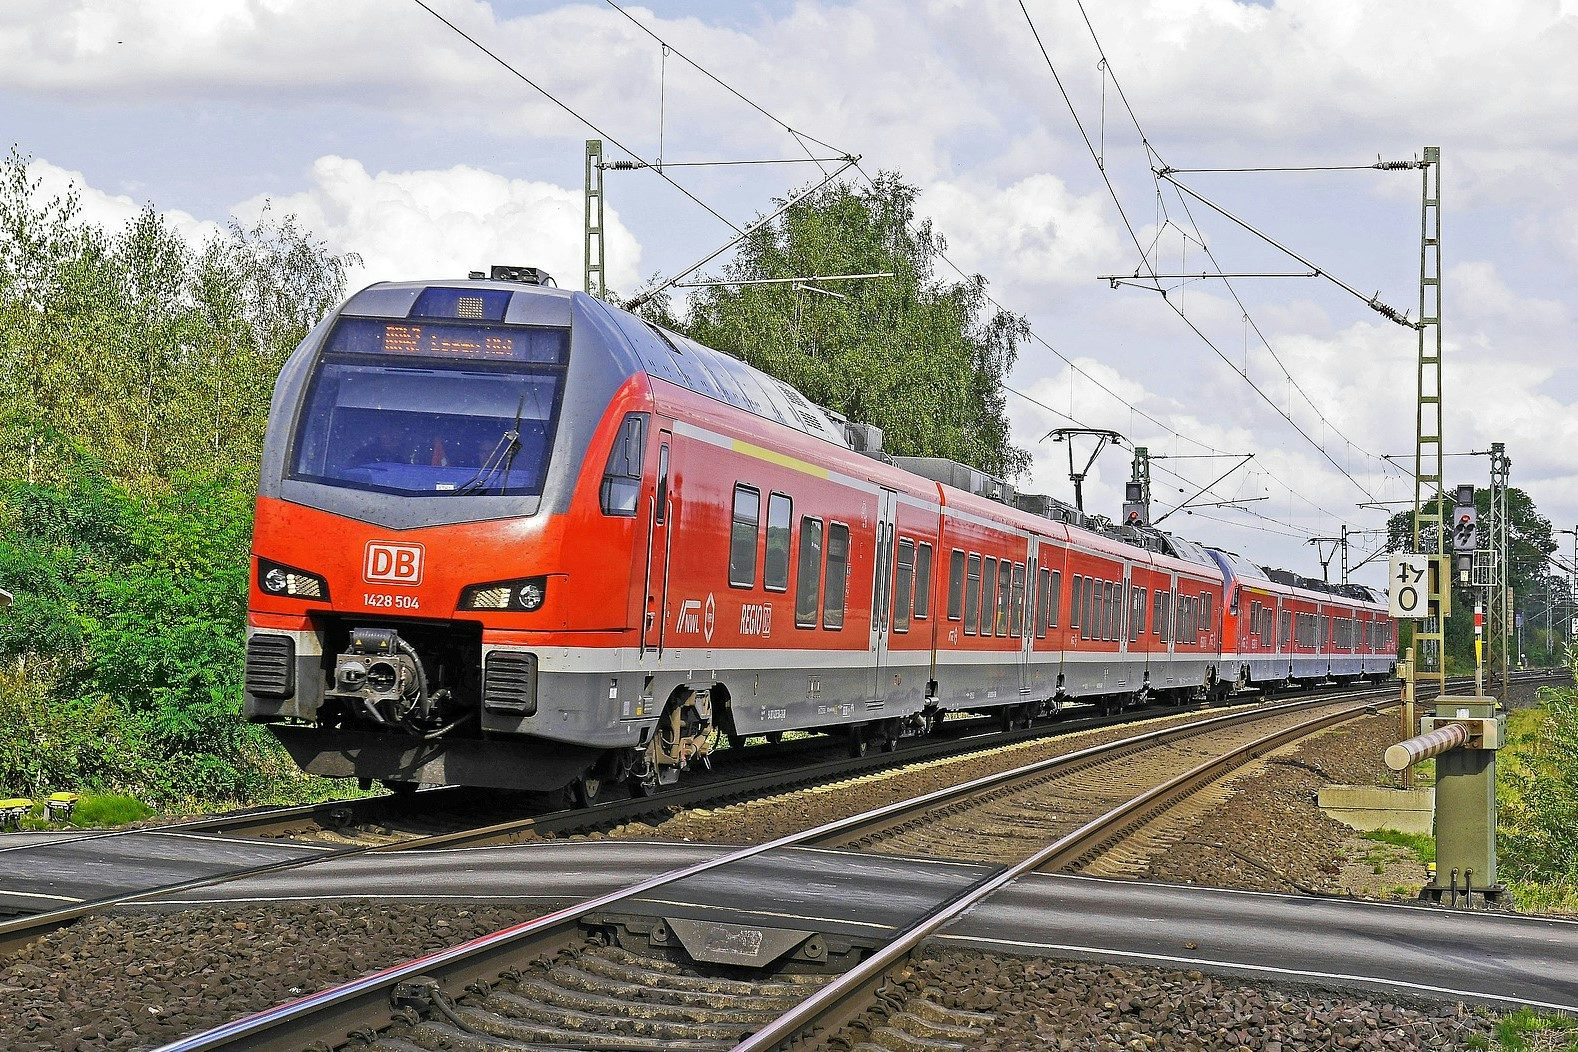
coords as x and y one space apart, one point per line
585 788
774 737
736 741
858 743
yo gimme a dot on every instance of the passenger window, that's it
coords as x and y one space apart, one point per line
1114 590
837 576
988 597
621 488
1087 592
742 537
922 582
775 570
904 585
956 585
1137 598
1057 598
1016 615
1076 595
808 576
1005 573
1043 601
972 595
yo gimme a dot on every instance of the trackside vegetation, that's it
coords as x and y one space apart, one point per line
135 372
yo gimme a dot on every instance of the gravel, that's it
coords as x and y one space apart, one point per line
770 817
135 980
1040 1004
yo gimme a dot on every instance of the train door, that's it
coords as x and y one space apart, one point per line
882 597
1027 613
654 620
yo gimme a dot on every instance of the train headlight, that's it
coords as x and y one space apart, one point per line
277 579
526 594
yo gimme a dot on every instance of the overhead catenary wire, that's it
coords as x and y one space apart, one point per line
1151 150
1144 257
801 138
566 107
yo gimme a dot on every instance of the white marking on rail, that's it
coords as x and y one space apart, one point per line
753 912
1267 968
240 841
38 895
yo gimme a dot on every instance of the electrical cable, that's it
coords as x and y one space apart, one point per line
566 107
1243 373
800 137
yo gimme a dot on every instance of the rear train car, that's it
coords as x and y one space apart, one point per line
1281 629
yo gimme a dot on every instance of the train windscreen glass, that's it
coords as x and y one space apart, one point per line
432 409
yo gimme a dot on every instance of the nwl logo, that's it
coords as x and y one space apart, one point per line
387 563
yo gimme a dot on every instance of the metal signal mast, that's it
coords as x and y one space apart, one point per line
1429 501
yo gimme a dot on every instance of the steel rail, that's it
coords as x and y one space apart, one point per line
334 1013
1061 852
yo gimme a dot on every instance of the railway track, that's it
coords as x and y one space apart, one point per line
589 977
255 843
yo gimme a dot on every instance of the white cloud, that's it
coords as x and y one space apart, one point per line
1026 235
412 225
110 211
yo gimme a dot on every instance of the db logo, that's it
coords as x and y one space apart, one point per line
392 563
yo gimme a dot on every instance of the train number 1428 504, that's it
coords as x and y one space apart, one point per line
384 599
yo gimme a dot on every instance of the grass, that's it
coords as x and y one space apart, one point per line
1529 1031
1531 897
1421 844
92 812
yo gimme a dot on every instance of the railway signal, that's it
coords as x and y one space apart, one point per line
1465 532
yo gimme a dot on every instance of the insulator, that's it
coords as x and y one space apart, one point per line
625 166
1397 166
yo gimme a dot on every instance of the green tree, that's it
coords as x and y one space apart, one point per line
135 373
920 357
156 356
1530 543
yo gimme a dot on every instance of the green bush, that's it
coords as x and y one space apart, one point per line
121 659
1538 826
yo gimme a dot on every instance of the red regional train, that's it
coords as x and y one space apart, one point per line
512 536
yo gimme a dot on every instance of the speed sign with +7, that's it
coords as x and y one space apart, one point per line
1408 585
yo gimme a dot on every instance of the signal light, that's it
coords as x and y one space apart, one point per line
1464 521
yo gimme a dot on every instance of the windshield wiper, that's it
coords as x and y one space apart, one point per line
500 460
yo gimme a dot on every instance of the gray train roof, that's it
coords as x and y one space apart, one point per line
707 371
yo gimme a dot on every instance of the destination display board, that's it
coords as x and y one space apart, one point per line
426 339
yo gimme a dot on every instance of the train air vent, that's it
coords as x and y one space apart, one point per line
509 683
271 666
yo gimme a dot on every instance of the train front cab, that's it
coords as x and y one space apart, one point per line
446 537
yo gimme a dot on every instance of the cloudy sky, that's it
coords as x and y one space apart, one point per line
394 138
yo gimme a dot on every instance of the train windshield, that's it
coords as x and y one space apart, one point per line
427 410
